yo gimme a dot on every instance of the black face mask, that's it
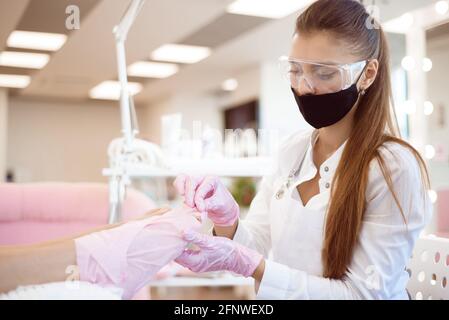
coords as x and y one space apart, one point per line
327 109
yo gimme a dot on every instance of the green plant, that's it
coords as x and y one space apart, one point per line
243 190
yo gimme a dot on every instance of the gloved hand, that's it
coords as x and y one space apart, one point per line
217 254
130 255
208 194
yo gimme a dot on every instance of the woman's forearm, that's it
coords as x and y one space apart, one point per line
44 262
227 232
37 264
258 274
49 261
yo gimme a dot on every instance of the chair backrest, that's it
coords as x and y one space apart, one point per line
429 269
35 212
443 211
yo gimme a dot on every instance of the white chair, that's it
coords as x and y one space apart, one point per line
429 269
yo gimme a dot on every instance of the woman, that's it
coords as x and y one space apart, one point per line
344 208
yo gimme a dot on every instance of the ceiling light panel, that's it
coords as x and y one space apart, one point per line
110 90
147 69
23 59
180 53
14 81
36 40
273 9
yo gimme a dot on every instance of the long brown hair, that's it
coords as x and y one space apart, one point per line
374 124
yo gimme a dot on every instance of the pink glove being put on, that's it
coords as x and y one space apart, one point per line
217 254
208 194
129 256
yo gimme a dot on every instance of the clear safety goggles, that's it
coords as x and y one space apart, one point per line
319 77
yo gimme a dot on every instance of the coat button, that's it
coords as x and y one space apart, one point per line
326 169
327 185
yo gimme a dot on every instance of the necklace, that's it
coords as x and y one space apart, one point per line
281 192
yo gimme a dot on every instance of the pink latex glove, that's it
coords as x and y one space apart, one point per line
208 194
217 254
129 256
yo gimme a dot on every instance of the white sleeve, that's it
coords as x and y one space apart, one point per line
385 243
281 282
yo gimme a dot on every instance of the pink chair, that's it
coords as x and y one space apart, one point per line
36 212
443 213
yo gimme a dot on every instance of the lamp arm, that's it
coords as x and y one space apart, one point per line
122 29
121 33
119 180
